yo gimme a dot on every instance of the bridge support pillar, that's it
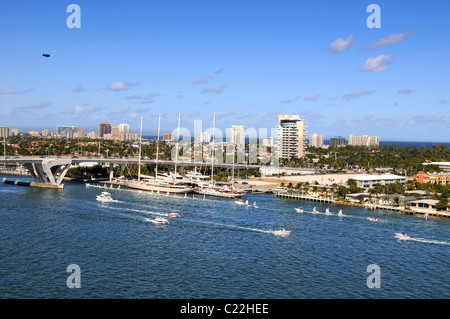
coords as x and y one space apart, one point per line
45 173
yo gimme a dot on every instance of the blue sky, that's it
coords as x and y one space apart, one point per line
247 61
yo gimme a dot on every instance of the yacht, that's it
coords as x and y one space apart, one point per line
160 221
105 197
156 185
299 210
402 236
282 232
211 188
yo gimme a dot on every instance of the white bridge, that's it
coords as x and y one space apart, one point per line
49 171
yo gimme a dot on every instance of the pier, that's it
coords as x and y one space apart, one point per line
303 197
398 209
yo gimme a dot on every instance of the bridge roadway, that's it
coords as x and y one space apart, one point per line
44 169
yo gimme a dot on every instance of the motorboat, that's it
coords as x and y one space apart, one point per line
372 219
173 215
282 232
104 197
299 210
402 236
160 221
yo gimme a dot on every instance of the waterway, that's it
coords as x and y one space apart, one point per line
215 249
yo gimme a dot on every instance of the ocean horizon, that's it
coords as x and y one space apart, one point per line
382 143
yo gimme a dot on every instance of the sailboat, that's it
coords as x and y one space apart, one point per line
155 185
212 189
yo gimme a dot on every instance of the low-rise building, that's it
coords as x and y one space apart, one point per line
369 181
433 178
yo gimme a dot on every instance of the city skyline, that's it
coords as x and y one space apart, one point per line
247 63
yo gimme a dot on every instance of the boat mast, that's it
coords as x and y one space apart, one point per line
212 150
176 146
157 147
140 149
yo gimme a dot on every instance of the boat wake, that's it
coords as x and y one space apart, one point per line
427 241
228 226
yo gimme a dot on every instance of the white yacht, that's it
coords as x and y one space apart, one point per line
160 221
156 185
402 236
104 197
282 232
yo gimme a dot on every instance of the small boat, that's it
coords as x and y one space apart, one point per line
160 221
314 211
282 232
327 212
105 197
299 210
173 215
254 205
239 202
372 219
340 213
402 236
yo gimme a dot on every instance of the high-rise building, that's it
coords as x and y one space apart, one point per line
14 132
316 140
4 132
337 141
115 132
104 129
45 132
237 135
364 140
128 136
81 134
167 137
291 136
124 128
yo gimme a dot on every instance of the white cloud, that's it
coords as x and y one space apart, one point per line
214 89
377 64
312 98
121 86
341 44
356 94
203 80
13 91
78 88
404 91
390 39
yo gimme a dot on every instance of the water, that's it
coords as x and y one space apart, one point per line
215 249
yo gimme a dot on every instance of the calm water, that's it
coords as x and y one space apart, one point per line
216 249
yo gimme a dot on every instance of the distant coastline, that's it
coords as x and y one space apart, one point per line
382 143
